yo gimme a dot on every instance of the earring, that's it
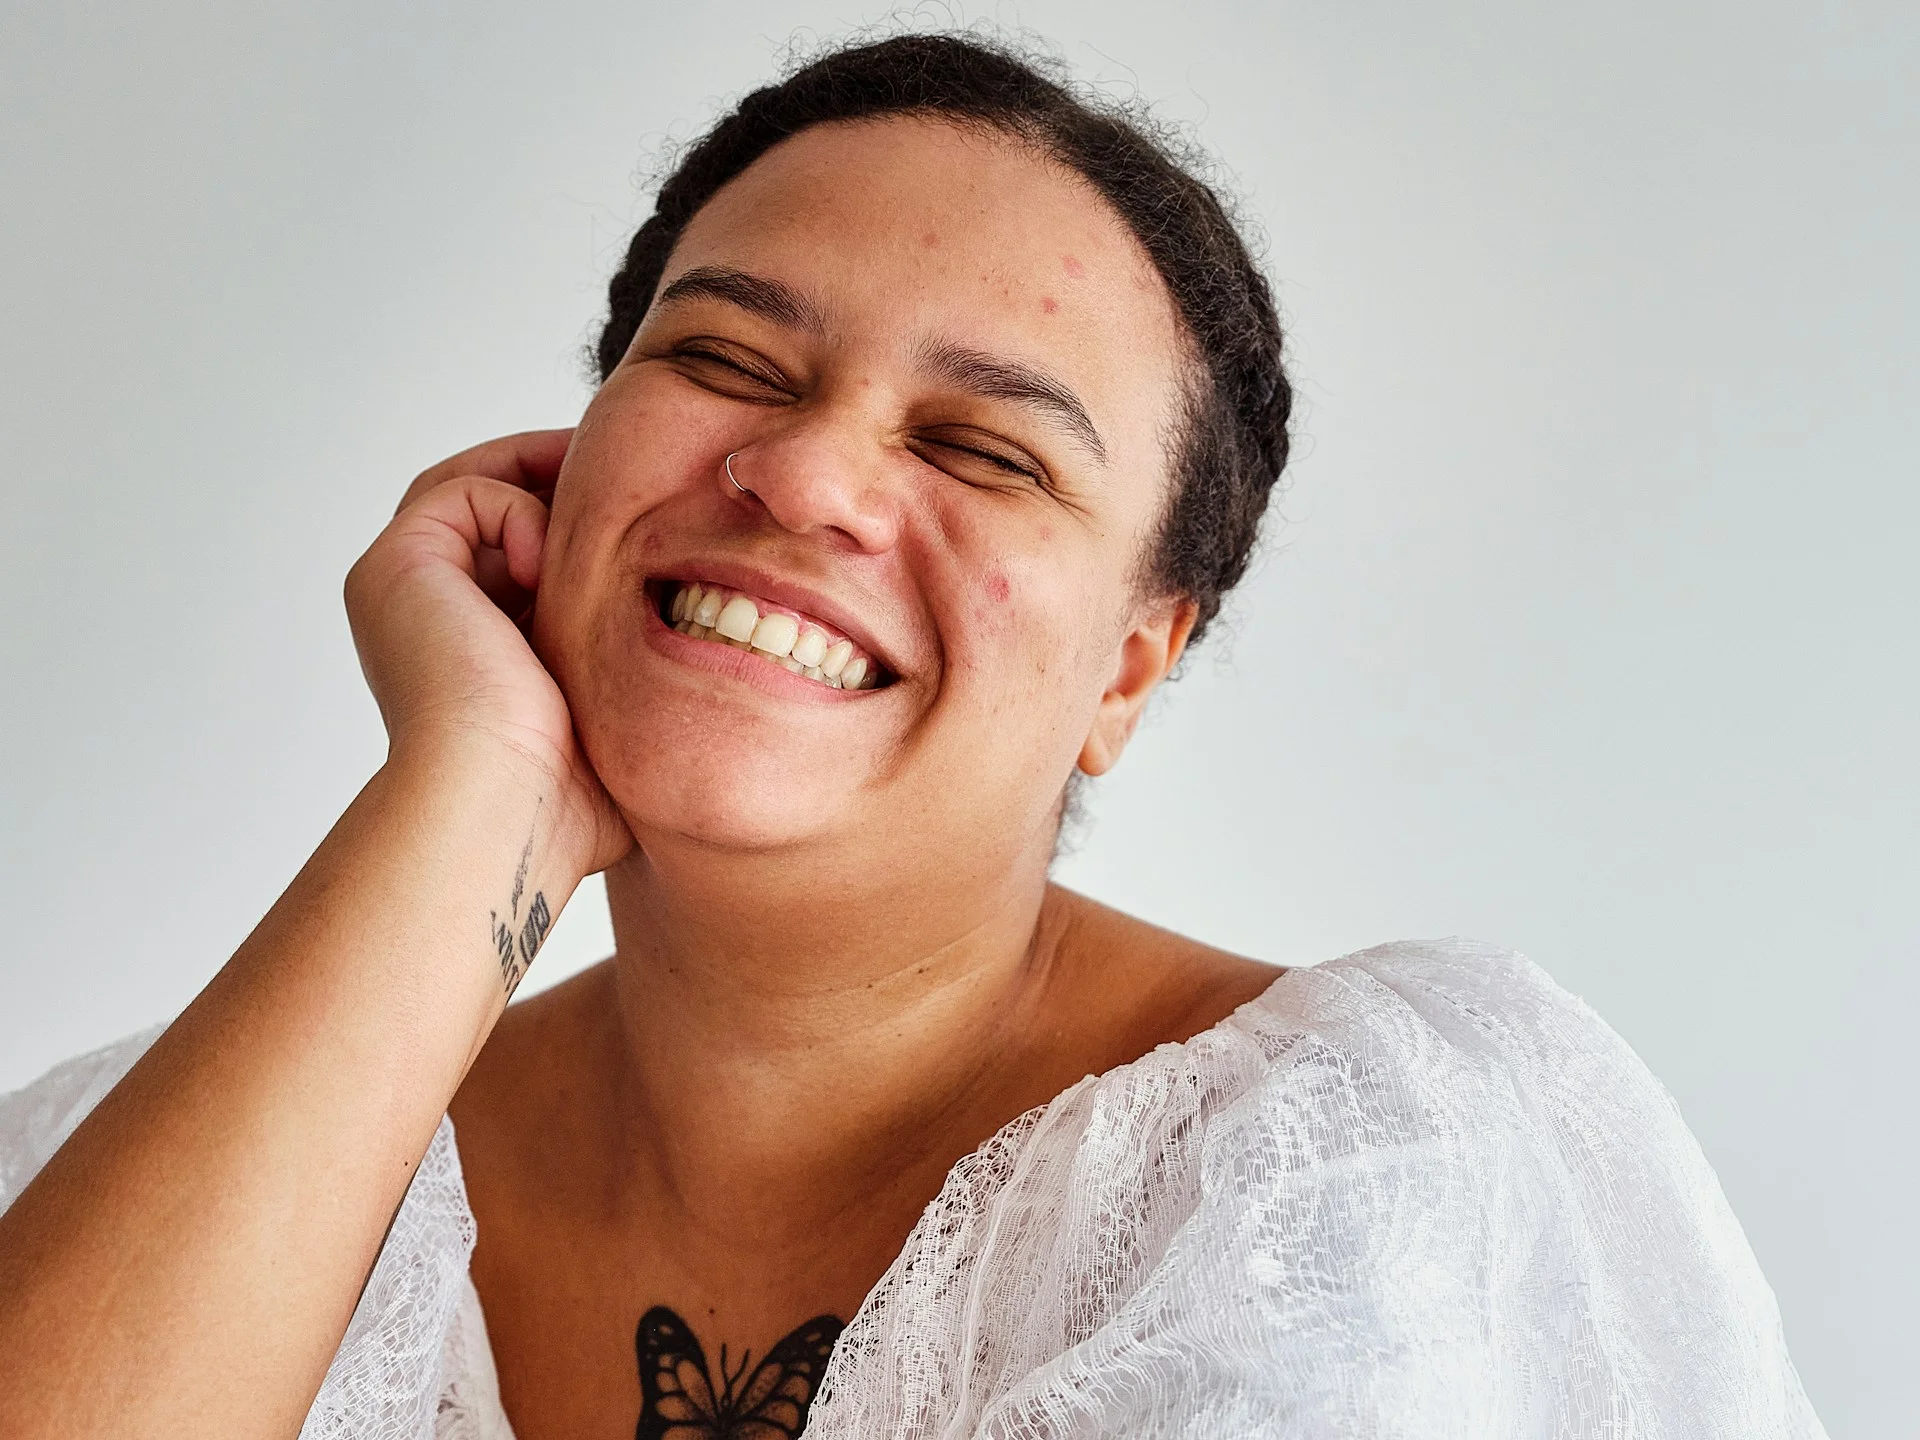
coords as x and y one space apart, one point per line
727 465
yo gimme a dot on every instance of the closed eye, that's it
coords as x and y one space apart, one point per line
967 454
712 364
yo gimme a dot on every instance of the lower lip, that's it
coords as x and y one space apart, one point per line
749 667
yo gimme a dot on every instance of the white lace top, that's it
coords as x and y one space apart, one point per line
1420 1191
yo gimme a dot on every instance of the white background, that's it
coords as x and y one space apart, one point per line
1590 627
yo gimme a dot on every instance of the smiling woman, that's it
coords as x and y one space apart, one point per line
938 410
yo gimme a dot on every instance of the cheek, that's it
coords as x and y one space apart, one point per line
646 434
639 445
1030 628
616 471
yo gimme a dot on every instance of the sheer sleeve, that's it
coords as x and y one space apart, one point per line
403 1354
1417 1192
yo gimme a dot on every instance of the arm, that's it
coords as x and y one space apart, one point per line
189 1260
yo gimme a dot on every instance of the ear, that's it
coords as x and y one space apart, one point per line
1147 652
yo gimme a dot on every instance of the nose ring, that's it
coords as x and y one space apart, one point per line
727 465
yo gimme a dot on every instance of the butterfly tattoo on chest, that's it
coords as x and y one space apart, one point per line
682 1399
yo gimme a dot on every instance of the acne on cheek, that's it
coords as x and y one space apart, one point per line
1032 630
987 612
1035 620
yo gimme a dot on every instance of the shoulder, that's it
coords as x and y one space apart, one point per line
1418 1190
1457 975
1126 985
1475 1051
1490 1051
1462 999
1452 976
1472 1145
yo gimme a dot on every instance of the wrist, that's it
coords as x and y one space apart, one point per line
503 787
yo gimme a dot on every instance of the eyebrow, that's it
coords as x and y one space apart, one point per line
974 371
771 300
996 378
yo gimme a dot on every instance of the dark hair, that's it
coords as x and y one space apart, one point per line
1234 444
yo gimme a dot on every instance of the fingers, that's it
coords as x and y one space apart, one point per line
457 519
529 460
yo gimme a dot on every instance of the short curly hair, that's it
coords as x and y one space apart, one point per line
1233 444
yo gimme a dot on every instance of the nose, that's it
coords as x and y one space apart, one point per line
812 482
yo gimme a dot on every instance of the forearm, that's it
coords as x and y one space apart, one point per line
190 1258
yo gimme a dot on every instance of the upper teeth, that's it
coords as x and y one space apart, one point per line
707 612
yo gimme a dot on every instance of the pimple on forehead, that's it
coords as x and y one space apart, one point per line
1049 304
931 240
1073 266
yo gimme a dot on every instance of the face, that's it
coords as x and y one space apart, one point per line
947 377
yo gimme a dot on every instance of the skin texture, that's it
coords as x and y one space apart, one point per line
840 966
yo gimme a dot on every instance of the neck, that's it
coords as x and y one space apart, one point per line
777 1020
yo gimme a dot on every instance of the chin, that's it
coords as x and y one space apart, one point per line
735 796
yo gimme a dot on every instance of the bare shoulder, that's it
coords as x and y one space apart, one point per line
1147 985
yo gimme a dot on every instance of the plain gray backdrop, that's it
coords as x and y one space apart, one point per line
1587 624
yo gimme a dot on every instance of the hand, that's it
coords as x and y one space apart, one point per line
437 604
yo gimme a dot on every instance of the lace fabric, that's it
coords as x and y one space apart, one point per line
469 1399
414 1362
1417 1191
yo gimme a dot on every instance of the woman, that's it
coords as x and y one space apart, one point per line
938 412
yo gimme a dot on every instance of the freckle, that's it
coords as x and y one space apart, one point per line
931 240
1049 304
1074 267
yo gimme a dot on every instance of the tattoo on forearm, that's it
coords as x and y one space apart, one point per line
516 950
682 1399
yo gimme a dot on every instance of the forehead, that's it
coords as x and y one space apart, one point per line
906 229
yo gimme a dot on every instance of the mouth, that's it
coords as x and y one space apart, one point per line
796 642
